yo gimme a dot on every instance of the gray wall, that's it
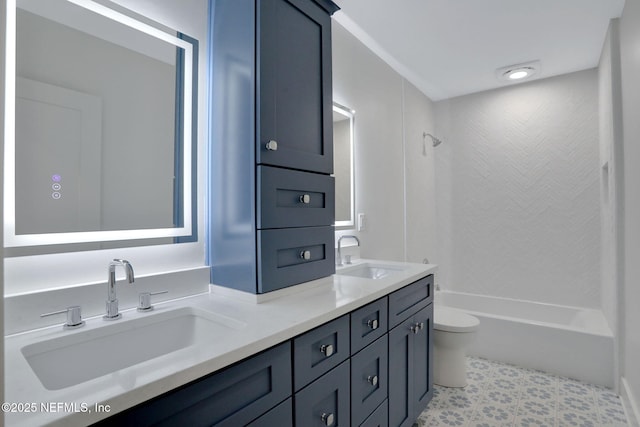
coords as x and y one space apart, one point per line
390 117
630 61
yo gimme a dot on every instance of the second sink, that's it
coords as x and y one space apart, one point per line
370 271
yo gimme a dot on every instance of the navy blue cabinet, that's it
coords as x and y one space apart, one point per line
369 379
410 367
351 371
271 141
233 397
317 351
325 402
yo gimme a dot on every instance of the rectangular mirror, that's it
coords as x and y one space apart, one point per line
101 146
343 165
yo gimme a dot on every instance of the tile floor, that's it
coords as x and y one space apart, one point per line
500 395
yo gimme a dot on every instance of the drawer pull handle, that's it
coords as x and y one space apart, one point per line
327 349
305 198
272 145
373 324
372 379
306 255
328 419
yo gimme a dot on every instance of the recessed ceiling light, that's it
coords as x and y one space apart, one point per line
518 72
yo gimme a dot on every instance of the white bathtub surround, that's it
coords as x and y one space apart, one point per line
256 327
563 340
499 394
518 200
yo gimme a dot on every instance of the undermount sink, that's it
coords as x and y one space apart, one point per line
85 355
370 271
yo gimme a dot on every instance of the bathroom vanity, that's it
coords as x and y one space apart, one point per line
321 356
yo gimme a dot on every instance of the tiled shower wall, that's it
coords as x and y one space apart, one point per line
518 202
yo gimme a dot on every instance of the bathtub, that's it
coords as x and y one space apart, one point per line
569 341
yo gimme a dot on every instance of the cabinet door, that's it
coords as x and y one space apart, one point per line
369 378
423 360
401 363
325 402
294 85
379 418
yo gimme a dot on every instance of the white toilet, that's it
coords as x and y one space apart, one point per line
453 331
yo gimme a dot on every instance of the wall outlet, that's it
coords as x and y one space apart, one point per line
362 222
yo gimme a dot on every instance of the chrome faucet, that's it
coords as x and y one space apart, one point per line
112 301
339 264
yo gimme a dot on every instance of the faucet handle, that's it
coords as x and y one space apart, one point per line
144 300
74 316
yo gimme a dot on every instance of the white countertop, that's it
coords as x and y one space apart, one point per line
256 327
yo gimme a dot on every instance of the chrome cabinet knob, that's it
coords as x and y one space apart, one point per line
414 329
421 325
328 419
144 300
305 255
372 379
373 324
74 316
327 349
272 145
305 198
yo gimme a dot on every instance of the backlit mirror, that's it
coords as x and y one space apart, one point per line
343 165
101 145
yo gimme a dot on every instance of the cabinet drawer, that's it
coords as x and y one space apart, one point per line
408 300
319 350
379 418
291 256
230 398
325 402
289 198
368 324
369 379
281 416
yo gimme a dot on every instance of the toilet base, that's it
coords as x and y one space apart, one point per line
449 358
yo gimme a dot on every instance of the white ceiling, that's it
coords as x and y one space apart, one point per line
449 48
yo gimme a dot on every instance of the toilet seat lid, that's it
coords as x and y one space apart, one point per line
451 320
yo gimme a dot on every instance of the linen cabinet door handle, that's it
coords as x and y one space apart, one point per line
272 145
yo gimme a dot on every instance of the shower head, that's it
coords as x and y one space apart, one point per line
435 140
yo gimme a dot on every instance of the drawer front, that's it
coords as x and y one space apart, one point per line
319 350
289 198
379 418
291 256
232 397
369 380
325 402
281 416
407 301
368 324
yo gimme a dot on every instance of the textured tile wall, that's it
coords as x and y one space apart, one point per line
517 181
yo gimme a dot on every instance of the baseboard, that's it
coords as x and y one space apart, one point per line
629 402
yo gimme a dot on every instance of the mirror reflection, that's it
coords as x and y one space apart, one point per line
103 112
343 164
